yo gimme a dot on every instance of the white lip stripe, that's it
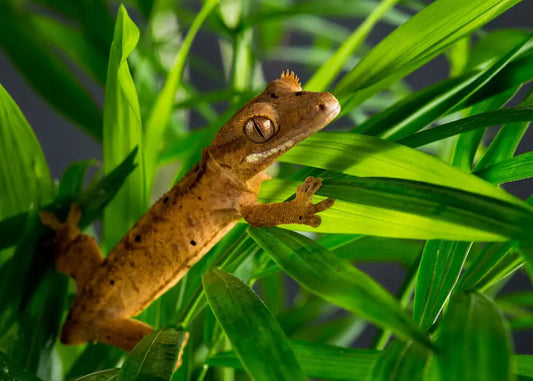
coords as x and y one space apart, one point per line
254 157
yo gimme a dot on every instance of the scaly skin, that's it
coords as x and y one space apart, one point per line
192 217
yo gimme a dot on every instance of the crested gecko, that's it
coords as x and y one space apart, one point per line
192 217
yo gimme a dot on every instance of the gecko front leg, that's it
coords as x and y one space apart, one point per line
301 210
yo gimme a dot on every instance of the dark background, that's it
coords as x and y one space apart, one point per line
62 142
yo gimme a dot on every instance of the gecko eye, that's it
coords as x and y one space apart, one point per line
259 129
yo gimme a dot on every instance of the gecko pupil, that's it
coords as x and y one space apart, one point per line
259 129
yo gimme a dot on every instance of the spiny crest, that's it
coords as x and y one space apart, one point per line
291 77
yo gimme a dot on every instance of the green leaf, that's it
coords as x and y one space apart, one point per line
325 75
417 41
472 123
72 180
24 173
474 341
122 133
159 117
22 43
102 375
317 360
420 109
516 168
400 361
95 356
438 272
92 201
335 280
506 141
406 209
155 356
367 156
495 262
252 330
343 8
73 43
524 365
11 371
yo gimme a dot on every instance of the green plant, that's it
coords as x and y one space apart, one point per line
449 320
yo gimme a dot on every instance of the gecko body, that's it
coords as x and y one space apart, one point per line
192 217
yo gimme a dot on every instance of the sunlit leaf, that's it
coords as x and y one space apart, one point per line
252 330
417 41
24 173
335 280
122 133
159 117
494 118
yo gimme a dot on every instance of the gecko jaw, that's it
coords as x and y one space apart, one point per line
255 157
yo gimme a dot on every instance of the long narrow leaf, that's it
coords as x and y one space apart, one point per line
155 356
24 173
516 168
420 109
325 75
438 272
122 133
506 141
474 341
335 280
400 361
417 41
252 330
367 156
92 201
20 41
159 117
318 360
494 118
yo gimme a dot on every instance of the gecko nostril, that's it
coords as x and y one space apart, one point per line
321 107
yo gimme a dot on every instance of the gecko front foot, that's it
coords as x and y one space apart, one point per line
301 210
303 200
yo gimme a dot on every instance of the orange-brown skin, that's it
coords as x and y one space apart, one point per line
192 217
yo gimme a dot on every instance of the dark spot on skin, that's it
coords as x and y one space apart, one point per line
300 218
138 238
112 282
132 264
196 168
165 200
298 93
180 206
108 337
199 198
321 107
272 95
193 242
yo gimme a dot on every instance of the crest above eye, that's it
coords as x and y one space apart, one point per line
291 78
259 129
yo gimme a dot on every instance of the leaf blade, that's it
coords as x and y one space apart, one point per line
252 330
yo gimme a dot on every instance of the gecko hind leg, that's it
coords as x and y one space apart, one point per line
75 254
121 333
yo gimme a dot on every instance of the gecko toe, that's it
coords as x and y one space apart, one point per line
324 204
314 221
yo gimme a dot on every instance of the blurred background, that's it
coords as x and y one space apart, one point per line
63 143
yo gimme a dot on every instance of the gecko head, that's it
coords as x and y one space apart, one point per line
270 124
